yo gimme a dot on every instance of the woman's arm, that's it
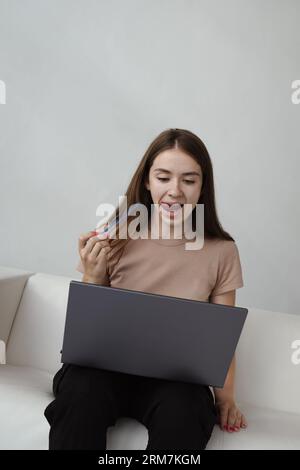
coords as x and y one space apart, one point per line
230 416
226 299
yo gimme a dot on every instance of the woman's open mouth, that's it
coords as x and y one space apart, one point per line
172 209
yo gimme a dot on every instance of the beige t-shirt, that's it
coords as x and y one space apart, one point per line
166 267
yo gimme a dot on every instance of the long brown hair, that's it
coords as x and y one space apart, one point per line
138 193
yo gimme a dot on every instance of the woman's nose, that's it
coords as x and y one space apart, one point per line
175 190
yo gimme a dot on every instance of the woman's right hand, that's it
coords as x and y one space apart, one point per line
92 250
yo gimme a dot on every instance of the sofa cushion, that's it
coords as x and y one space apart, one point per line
268 429
12 283
25 392
37 333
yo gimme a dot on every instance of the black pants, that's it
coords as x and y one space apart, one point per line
178 415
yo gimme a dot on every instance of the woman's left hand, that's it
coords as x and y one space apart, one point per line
230 417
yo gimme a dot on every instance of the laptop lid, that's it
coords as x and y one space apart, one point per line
150 334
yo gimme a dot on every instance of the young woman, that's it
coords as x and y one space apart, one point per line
176 169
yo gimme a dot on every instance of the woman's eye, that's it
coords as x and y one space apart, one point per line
167 179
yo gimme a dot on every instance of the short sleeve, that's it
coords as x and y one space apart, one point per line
229 276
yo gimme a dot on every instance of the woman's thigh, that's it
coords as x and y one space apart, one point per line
98 384
149 393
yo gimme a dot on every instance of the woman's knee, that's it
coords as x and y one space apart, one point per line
184 403
82 390
80 406
78 381
180 393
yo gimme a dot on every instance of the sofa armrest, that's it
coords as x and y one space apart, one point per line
266 375
12 283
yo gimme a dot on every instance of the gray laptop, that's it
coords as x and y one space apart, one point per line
149 334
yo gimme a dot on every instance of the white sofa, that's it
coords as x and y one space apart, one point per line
32 315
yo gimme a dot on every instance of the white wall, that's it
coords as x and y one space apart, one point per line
90 83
